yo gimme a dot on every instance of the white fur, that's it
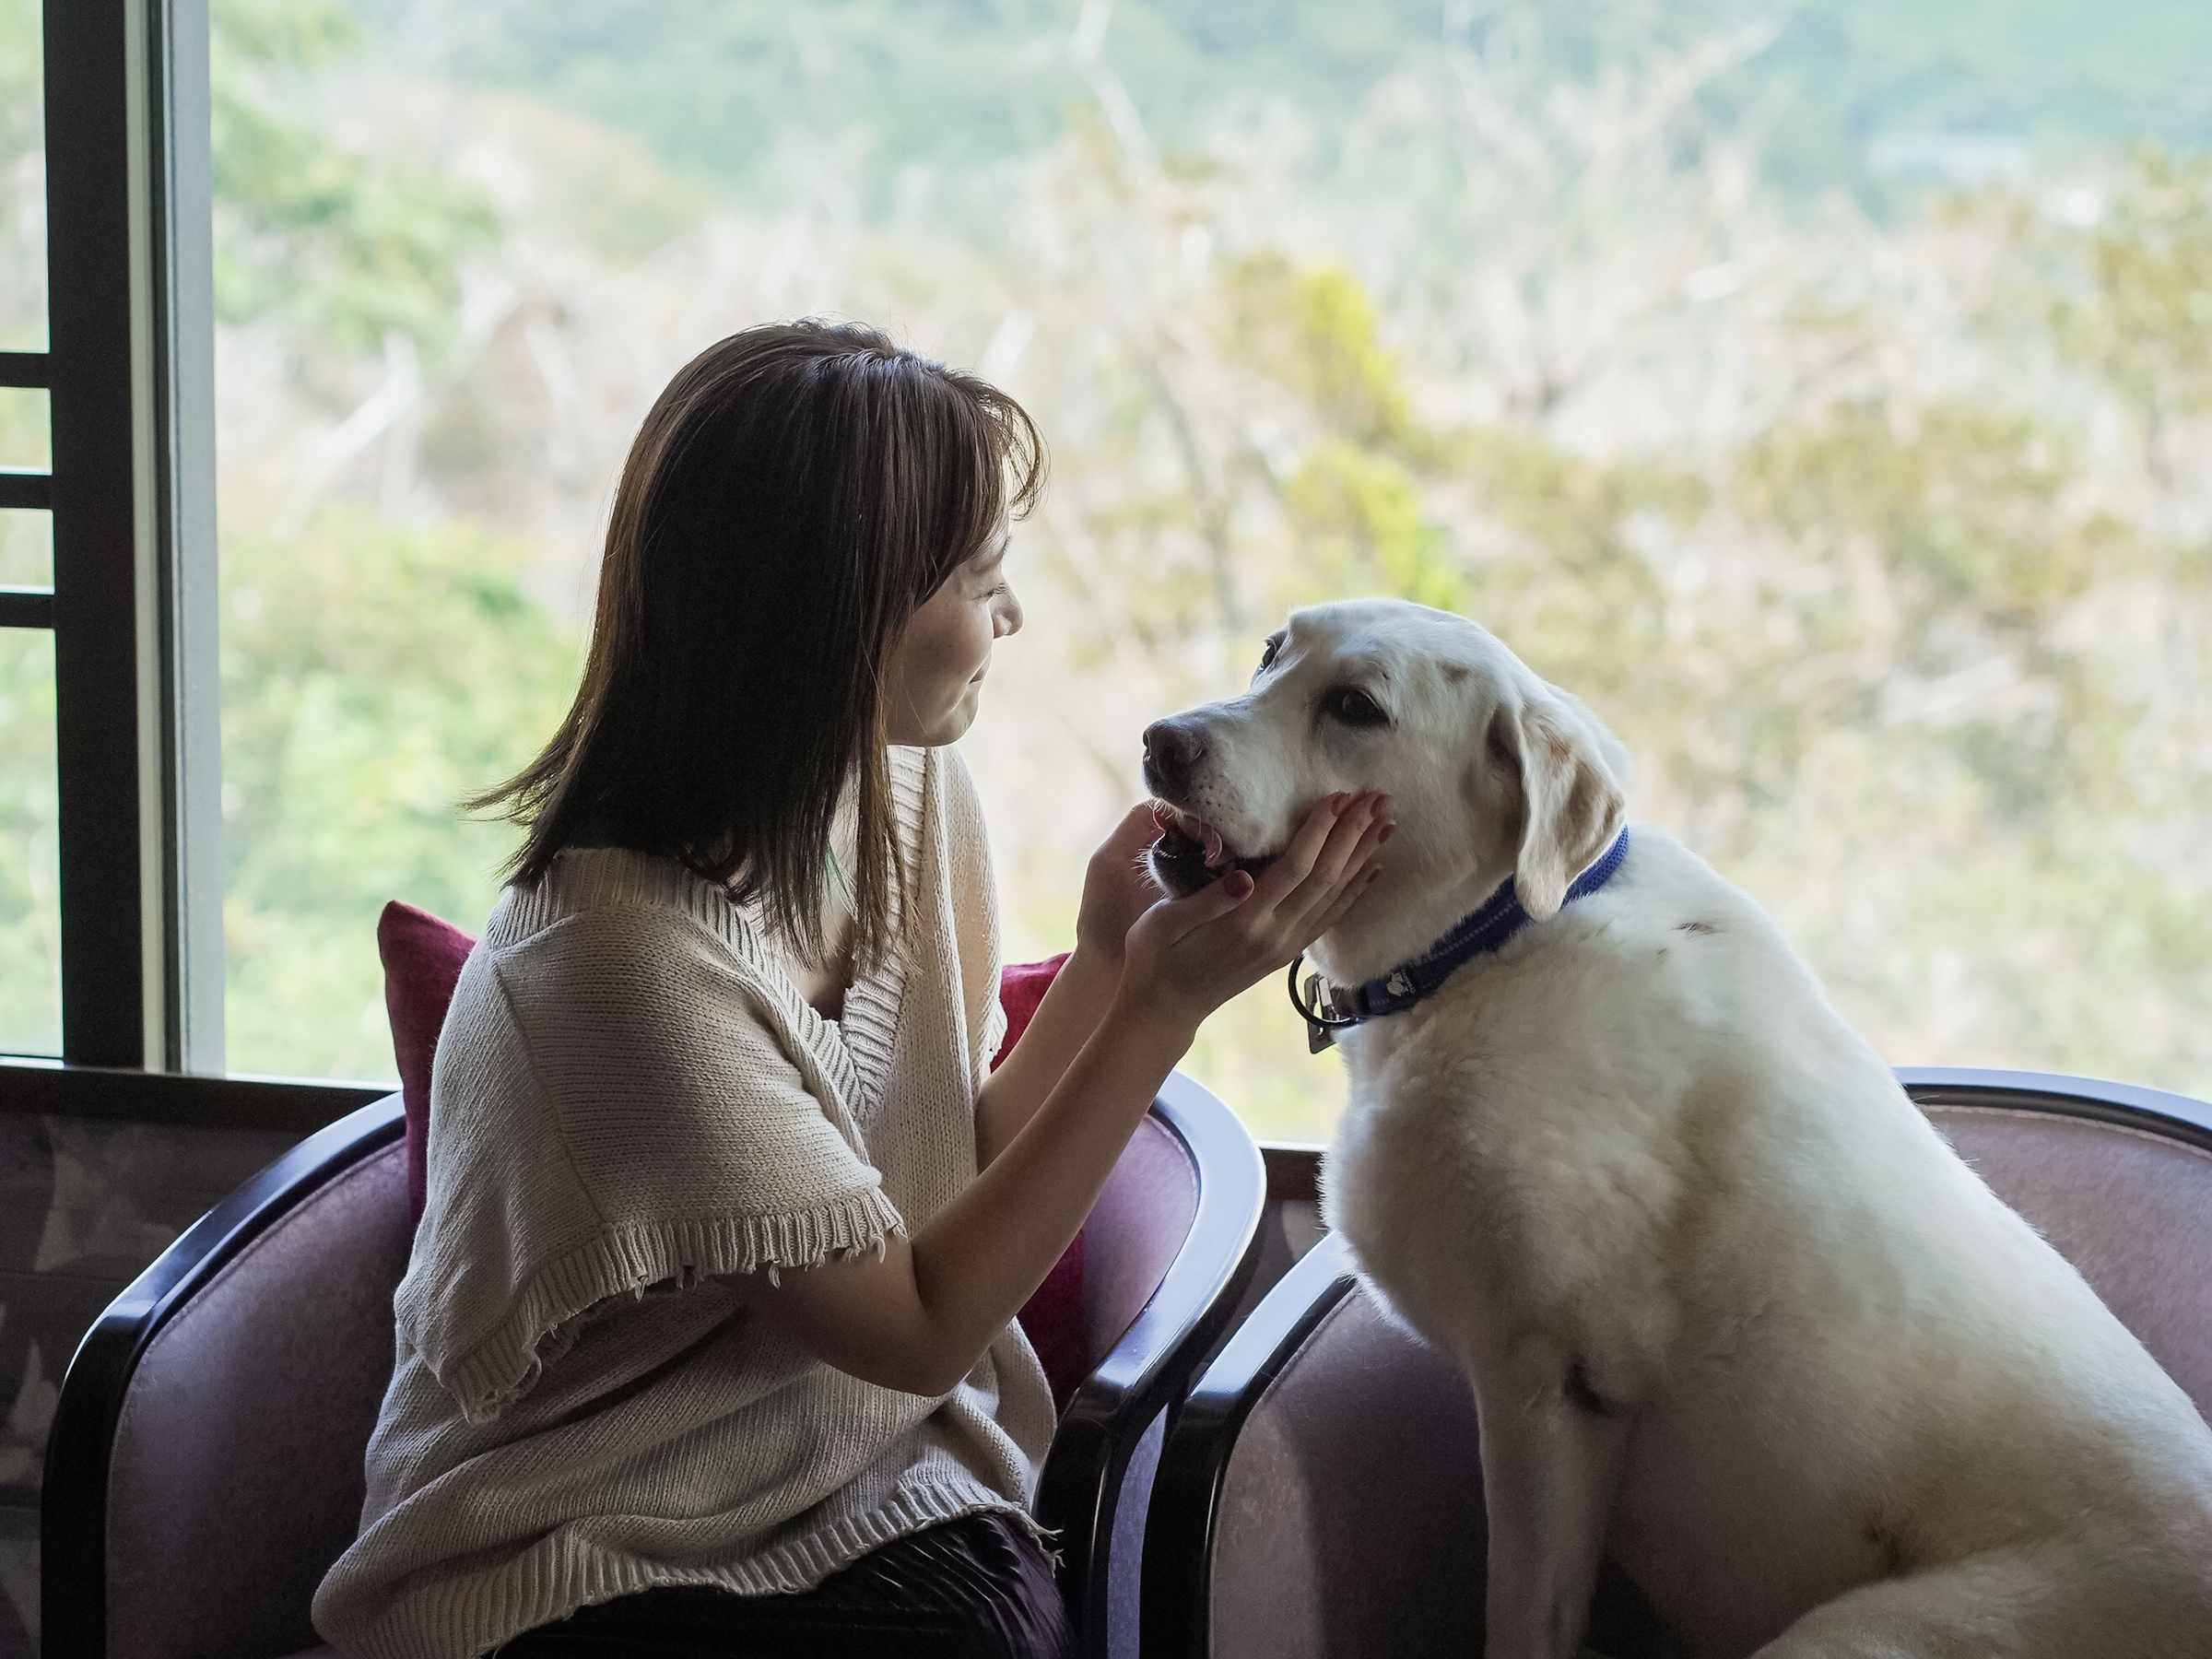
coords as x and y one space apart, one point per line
1731 1310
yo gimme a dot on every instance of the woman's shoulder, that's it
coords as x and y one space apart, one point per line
613 890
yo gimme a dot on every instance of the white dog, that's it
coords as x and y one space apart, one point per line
1731 1310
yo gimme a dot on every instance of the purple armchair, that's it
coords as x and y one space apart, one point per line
204 1467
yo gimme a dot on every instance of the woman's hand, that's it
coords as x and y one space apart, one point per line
1188 957
1117 887
918 1318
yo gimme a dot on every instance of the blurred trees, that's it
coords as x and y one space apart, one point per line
372 676
1860 537
1922 665
374 670
345 250
31 946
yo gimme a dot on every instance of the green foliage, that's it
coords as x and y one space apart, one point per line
344 249
30 955
22 84
1360 520
1311 328
2142 319
372 677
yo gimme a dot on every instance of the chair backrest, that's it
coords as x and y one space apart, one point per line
1346 1527
2118 1178
235 1475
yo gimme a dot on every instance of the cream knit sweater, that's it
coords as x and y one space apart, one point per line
630 1100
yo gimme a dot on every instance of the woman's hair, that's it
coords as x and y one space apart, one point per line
793 497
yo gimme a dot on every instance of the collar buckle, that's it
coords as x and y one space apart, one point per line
1326 1009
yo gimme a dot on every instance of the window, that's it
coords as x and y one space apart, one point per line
1825 401
1823 425
110 902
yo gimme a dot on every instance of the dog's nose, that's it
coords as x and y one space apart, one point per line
1171 753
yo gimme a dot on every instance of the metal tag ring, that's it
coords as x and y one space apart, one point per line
1330 1020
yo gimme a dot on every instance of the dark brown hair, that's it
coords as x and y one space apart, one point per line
791 499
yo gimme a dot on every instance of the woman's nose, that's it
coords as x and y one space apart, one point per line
1009 616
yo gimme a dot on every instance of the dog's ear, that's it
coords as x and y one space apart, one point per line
1572 802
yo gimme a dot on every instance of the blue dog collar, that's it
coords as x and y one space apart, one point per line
1327 1009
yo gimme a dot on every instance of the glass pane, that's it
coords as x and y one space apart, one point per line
25 547
22 178
30 913
1839 441
26 427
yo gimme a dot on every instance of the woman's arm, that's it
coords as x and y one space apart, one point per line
918 1319
1117 891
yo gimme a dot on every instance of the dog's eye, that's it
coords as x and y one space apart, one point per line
1355 707
1267 652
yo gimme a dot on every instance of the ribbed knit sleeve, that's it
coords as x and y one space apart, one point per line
972 892
679 1128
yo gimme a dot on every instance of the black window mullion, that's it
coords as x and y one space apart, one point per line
25 608
131 493
25 369
20 486
94 502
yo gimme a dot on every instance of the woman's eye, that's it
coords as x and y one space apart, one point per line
1356 708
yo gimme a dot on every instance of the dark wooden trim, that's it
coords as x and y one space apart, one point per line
25 608
24 487
31 369
73 1503
95 499
1293 1170
2131 1105
1079 1489
126 1094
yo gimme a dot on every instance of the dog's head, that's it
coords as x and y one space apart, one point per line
1492 772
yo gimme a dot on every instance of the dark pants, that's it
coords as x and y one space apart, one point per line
976 1588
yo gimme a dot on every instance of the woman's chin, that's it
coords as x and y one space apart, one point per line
948 726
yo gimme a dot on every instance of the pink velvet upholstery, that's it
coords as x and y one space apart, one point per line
422 955
1142 1214
235 1478
1052 1317
1351 1517
2131 1211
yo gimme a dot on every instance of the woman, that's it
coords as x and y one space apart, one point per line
707 1343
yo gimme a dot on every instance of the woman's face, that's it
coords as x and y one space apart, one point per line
935 676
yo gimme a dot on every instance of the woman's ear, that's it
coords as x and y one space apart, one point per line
1571 802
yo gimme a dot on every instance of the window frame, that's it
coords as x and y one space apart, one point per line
129 373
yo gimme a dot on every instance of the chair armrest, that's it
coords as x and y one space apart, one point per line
73 1509
1148 1369
1186 1492
2131 1105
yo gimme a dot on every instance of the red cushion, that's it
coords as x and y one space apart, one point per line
422 961
422 958
1052 1317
